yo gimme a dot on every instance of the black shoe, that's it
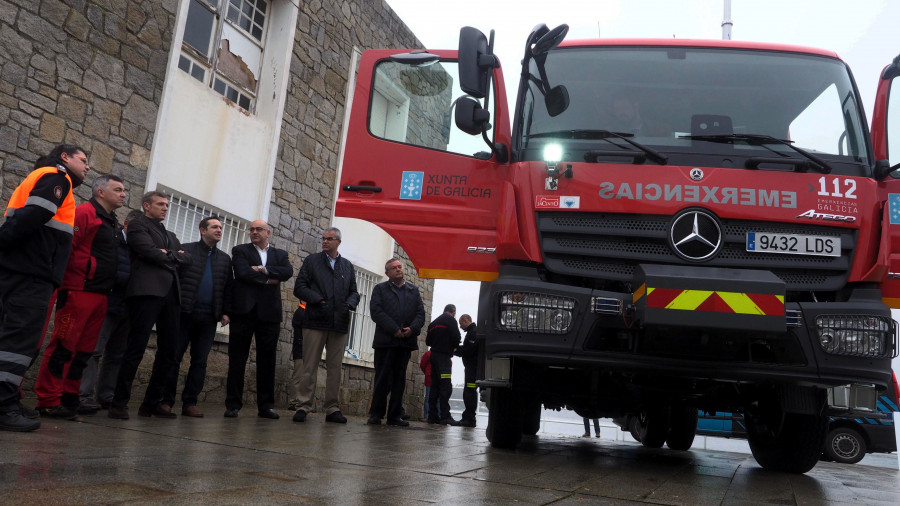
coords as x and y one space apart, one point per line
336 417
466 423
160 411
14 421
59 412
433 421
104 404
448 421
231 413
85 409
300 416
268 413
405 416
374 420
117 413
27 412
399 422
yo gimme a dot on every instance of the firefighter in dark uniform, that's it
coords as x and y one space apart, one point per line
35 242
469 354
443 337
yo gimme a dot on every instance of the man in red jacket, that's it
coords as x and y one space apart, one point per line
81 299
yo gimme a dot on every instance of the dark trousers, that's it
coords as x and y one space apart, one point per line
144 311
441 387
100 376
470 392
390 377
243 327
198 330
23 308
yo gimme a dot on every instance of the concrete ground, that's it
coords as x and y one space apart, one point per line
216 460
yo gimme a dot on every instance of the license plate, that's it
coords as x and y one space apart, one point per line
793 244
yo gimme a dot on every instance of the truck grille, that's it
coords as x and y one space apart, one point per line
609 246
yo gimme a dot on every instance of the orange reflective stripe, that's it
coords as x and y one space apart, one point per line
64 217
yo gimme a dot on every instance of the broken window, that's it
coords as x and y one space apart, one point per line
223 45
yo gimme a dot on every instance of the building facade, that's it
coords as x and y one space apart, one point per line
233 107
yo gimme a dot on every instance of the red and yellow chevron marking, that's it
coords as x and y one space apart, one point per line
715 301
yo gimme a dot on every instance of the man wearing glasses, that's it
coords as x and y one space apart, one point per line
327 282
259 270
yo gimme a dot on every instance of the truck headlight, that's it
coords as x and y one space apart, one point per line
857 335
536 312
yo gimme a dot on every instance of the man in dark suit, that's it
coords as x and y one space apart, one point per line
399 314
259 270
153 296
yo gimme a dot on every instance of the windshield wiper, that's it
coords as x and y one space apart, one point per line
760 140
605 135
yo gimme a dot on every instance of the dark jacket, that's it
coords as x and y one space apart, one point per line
152 270
222 275
36 237
443 334
94 259
469 349
330 295
252 292
114 303
389 315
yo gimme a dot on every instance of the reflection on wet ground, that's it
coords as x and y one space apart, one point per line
217 460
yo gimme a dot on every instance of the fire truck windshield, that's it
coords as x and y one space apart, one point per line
682 102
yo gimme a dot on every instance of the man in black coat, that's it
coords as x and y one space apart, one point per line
443 337
327 282
259 270
469 354
398 312
152 297
205 301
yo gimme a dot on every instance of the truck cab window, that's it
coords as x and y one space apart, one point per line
414 105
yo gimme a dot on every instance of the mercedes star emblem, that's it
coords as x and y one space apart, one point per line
695 235
696 174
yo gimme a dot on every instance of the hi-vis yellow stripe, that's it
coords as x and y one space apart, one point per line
740 303
471 385
459 275
446 376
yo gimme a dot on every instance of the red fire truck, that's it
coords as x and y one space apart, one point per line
660 226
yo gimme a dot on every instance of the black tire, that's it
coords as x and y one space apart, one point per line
504 428
682 428
531 415
653 427
634 427
786 442
845 445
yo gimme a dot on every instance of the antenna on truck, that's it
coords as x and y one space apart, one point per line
726 21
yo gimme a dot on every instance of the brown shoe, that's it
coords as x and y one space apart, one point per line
191 411
160 410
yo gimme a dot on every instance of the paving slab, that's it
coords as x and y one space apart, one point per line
217 460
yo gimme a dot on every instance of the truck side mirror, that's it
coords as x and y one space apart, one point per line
475 62
471 118
557 100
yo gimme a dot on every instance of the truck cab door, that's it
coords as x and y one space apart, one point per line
410 171
886 142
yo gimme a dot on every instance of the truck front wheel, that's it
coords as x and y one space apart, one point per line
531 414
845 445
653 426
504 428
786 442
682 428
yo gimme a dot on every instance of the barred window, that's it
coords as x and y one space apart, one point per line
362 328
185 215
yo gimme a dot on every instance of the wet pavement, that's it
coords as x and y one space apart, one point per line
216 460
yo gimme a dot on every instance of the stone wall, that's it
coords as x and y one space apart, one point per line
91 72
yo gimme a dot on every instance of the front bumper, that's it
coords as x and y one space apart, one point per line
692 345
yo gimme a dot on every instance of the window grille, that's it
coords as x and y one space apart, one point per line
184 218
362 328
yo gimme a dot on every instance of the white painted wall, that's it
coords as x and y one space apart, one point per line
211 150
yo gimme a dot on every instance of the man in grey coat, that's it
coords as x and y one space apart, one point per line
327 282
399 314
